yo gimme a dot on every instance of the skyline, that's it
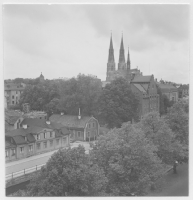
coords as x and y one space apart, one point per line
65 40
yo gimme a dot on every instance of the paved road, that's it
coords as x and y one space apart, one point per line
176 184
19 165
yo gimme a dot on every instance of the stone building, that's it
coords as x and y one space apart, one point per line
169 90
13 92
142 86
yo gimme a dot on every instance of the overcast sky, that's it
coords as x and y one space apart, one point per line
65 40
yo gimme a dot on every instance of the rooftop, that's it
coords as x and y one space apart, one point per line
70 121
141 79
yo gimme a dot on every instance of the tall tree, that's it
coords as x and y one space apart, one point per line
128 160
68 173
82 93
118 104
177 119
157 131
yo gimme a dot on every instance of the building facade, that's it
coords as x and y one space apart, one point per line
169 90
82 128
13 92
36 136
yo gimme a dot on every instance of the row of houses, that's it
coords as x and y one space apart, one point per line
33 135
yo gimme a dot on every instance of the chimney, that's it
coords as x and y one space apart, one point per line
79 116
47 122
24 126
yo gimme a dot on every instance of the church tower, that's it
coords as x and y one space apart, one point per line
122 64
111 62
128 61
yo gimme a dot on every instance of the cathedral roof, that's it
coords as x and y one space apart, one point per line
141 79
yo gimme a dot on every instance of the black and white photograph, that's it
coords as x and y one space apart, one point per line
96 99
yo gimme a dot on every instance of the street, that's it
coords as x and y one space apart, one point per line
176 184
26 163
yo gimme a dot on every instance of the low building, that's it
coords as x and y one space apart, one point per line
82 128
169 90
35 136
13 92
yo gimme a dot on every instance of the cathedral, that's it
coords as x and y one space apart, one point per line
144 87
124 69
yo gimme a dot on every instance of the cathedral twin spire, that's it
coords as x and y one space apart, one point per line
121 65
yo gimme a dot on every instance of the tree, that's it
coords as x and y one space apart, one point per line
82 93
178 120
68 173
157 131
118 104
128 160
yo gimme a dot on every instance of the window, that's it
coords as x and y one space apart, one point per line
38 137
57 142
45 144
78 133
51 134
21 149
51 143
12 152
12 96
88 134
16 92
44 134
38 146
93 124
12 102
30 148
64 140
6 154
88 125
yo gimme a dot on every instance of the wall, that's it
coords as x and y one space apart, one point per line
92 129
76 135
10 156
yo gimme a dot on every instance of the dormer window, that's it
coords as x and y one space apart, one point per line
25 138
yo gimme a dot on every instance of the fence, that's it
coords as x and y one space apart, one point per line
23 172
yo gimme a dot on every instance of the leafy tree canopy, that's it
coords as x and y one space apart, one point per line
118 104
128 160
68 173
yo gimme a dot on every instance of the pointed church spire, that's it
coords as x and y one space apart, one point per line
128 60
122 52
111 51
111 61
122 47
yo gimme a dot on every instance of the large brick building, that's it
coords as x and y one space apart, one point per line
144 87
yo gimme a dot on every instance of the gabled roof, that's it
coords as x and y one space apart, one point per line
140 88
24 132
167 87
41 123
19 140
70 121
9 144
141 79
